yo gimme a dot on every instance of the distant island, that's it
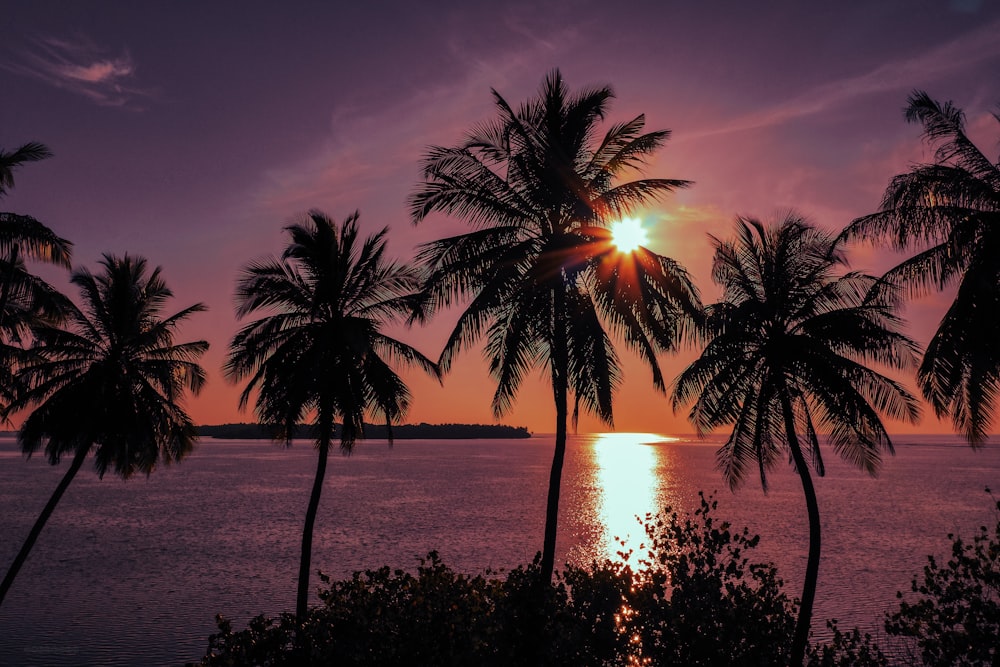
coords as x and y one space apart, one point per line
375 432
420 431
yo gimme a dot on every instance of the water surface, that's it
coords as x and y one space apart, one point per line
132 573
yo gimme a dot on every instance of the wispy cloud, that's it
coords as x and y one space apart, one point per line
371 147
82 67
930 65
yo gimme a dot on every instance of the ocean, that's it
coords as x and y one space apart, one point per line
133 573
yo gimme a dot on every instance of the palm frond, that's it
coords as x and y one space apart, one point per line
945 124
29 152
33 240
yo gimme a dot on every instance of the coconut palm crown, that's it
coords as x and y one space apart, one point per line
949 212
538 274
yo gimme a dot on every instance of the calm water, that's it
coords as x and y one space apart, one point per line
132 573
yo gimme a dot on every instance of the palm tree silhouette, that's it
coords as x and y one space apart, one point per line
786 359
110 381
542 280
950 212
25 298
321 353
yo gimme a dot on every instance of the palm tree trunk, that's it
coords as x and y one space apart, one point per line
560 369
43 518
302 598
555 481
801 636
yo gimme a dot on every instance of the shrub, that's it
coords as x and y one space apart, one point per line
955 618
699 600
375 617
846 649
695 599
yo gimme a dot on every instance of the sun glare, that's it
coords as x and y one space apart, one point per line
628 235
628 485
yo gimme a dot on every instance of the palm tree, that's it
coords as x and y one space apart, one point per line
543 284
24 298
786 358
950 212
111 381
321 353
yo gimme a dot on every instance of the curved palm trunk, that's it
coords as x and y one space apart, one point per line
43 518
801 637
302 598
555 480
560 390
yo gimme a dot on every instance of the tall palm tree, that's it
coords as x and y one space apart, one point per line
543 283
321 353
949 212
786 359
111 381
23 297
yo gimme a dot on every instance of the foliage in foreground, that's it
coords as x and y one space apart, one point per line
955 618
696 599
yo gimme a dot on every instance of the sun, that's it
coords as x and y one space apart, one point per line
628 235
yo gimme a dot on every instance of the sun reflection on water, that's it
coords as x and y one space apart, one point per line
628 486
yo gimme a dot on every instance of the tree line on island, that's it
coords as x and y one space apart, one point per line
785 355
421 431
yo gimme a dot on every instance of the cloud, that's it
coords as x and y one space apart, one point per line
372 153
82 67
932 64
371 156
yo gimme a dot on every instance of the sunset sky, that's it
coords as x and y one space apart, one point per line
191 133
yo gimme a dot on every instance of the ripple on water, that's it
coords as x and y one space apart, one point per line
134 573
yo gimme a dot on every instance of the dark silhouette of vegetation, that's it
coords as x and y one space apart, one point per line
541 279
846 649
374 431
949 212
111 381
954 612
786 358
29 152
698 599
25 299
320 353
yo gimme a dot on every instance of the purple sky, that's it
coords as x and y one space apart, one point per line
191 133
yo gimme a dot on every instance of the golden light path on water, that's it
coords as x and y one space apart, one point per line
632 480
